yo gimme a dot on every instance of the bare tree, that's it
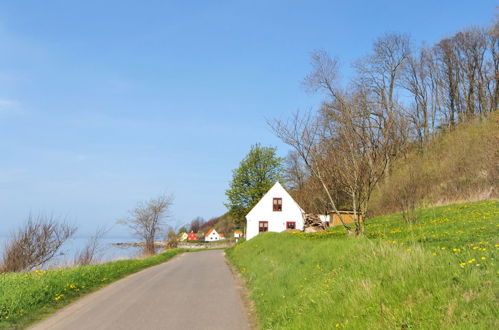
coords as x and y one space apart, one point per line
349 145
147 220
35 244
493 85
196 224
304 187
380 72
305 134
296 172
90 252
416 80
362 139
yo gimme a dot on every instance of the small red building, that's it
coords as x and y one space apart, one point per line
192 236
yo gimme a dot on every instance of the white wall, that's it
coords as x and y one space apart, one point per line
212 237
263 211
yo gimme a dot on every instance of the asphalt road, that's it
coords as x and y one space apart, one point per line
192 291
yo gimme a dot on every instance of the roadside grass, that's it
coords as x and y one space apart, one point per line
28 297
438 273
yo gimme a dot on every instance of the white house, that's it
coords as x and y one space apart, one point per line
276 211
213 235
183 236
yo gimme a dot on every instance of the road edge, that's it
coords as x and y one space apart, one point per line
49 311
243 291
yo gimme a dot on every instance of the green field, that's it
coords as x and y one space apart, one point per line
438 273
27 297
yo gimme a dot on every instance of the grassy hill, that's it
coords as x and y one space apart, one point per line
461 165
438 273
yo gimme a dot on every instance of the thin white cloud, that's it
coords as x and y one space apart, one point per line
10 107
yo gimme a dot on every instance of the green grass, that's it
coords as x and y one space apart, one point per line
438 273
27 297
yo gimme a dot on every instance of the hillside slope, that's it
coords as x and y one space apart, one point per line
439 273
461 165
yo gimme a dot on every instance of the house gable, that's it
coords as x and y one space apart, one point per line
273 212
212 235
277 191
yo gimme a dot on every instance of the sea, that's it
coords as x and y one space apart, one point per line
107 250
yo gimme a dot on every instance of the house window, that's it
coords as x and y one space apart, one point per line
290 225
277 204
263 226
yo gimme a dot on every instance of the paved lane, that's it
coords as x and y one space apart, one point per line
192 291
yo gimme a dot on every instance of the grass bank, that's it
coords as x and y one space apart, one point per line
27 297
438 273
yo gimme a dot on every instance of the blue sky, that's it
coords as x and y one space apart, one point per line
107 103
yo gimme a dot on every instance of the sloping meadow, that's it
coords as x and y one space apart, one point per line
439 273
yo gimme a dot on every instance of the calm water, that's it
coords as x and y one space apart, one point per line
107 251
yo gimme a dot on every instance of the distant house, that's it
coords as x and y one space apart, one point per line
276 211
192 236
213 235
183 236
238 234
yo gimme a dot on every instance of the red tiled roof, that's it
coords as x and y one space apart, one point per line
238 232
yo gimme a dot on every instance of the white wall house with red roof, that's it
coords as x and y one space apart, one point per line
277 211
213 235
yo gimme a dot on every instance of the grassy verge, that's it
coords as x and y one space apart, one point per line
439 273
27 297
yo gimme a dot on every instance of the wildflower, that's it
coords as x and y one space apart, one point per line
409 250
483 258
471 261
462 264
338 325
